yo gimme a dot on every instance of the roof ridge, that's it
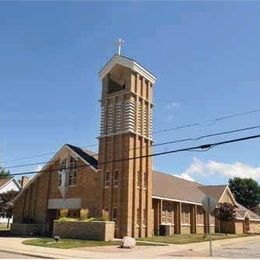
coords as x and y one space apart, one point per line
218 185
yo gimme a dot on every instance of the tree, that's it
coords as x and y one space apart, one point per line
225 212
246 192
6 204
4 173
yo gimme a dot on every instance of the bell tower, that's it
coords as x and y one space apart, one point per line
125 141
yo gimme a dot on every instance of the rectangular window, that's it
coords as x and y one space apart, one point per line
185 214
145 180
139 179
168 213
107 179
144 217
211 219
116 179
114 214
72 171
200 216
63 166
138 217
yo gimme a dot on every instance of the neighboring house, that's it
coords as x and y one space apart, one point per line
120 182
8 184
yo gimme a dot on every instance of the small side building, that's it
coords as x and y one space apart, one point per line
8 184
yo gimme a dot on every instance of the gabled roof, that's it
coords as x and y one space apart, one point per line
128 63
242 212
86 155
215 191
88 158
4 181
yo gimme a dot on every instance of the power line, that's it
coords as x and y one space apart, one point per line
40 155
159 144
212 121
209 135
194 148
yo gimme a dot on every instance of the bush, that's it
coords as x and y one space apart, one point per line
84 214
63 213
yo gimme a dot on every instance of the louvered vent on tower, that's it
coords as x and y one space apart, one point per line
130 115
139 120
102 121
118 116
110 127
150 124
145 126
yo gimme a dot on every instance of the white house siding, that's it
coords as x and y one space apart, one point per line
11 185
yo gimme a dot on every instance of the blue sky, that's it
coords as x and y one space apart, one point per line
205 54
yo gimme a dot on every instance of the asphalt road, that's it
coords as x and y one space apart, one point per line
246 249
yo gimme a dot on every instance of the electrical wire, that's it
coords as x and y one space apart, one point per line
156 145
194 148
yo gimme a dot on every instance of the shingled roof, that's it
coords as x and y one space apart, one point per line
3 181
215 191
172 187
241 212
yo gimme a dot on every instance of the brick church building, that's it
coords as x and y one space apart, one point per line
120 180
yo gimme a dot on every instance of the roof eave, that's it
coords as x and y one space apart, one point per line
129 63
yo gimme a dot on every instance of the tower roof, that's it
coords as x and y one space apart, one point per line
128 63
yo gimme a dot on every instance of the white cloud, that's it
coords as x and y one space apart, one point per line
38 168
185 176
214 168
172 105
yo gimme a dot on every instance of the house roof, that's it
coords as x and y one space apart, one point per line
4 181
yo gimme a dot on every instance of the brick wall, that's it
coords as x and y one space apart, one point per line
94 230
32 204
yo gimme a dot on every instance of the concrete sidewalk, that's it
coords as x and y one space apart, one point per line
14 244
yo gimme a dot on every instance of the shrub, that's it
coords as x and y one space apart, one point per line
63 213
84 214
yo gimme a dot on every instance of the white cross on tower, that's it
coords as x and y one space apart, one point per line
119 45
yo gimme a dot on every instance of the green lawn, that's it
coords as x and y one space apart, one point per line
185 239
151 241
72 243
